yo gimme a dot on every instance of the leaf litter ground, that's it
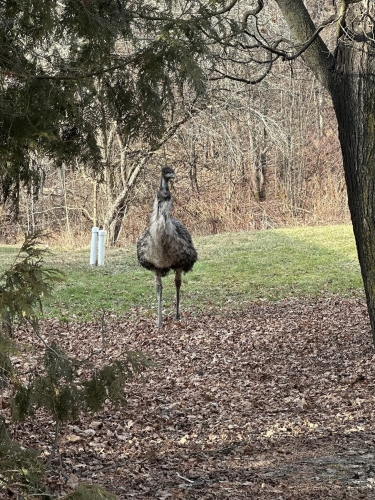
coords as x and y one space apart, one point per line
274 402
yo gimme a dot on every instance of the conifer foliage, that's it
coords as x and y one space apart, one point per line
18 464
26 282
61 385
66 67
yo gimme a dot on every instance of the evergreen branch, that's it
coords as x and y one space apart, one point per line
208 13
224 9
82 76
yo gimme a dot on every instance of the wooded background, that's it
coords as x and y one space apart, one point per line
246 157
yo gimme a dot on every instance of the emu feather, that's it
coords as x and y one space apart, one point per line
166 244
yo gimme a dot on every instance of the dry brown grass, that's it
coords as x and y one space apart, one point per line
215 208
216 193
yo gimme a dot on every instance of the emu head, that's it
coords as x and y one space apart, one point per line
167 174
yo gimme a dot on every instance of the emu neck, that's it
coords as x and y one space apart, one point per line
164 185
162 207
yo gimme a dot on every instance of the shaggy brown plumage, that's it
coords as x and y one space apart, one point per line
166 243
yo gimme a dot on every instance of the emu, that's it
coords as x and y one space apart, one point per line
166 244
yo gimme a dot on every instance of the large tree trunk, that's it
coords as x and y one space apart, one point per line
349 75
353 94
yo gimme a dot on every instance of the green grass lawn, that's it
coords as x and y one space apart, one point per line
233 268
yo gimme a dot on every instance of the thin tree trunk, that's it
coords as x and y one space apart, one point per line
117 210
65 199
320 108
95 203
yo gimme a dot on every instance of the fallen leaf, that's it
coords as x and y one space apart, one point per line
72 482
73 438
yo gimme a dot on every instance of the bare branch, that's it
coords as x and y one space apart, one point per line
230 6
316 55
253 12
272 49
289 57
240 79
224 9
341 22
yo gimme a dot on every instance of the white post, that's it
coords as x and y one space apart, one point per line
94 246
101 247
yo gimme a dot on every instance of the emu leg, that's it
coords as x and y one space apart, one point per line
159 294
178 286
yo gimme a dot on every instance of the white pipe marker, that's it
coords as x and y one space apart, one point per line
94 246
101 247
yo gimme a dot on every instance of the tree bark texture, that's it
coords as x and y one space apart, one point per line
353 94
349 76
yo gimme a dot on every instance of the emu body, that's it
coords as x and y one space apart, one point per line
166 244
